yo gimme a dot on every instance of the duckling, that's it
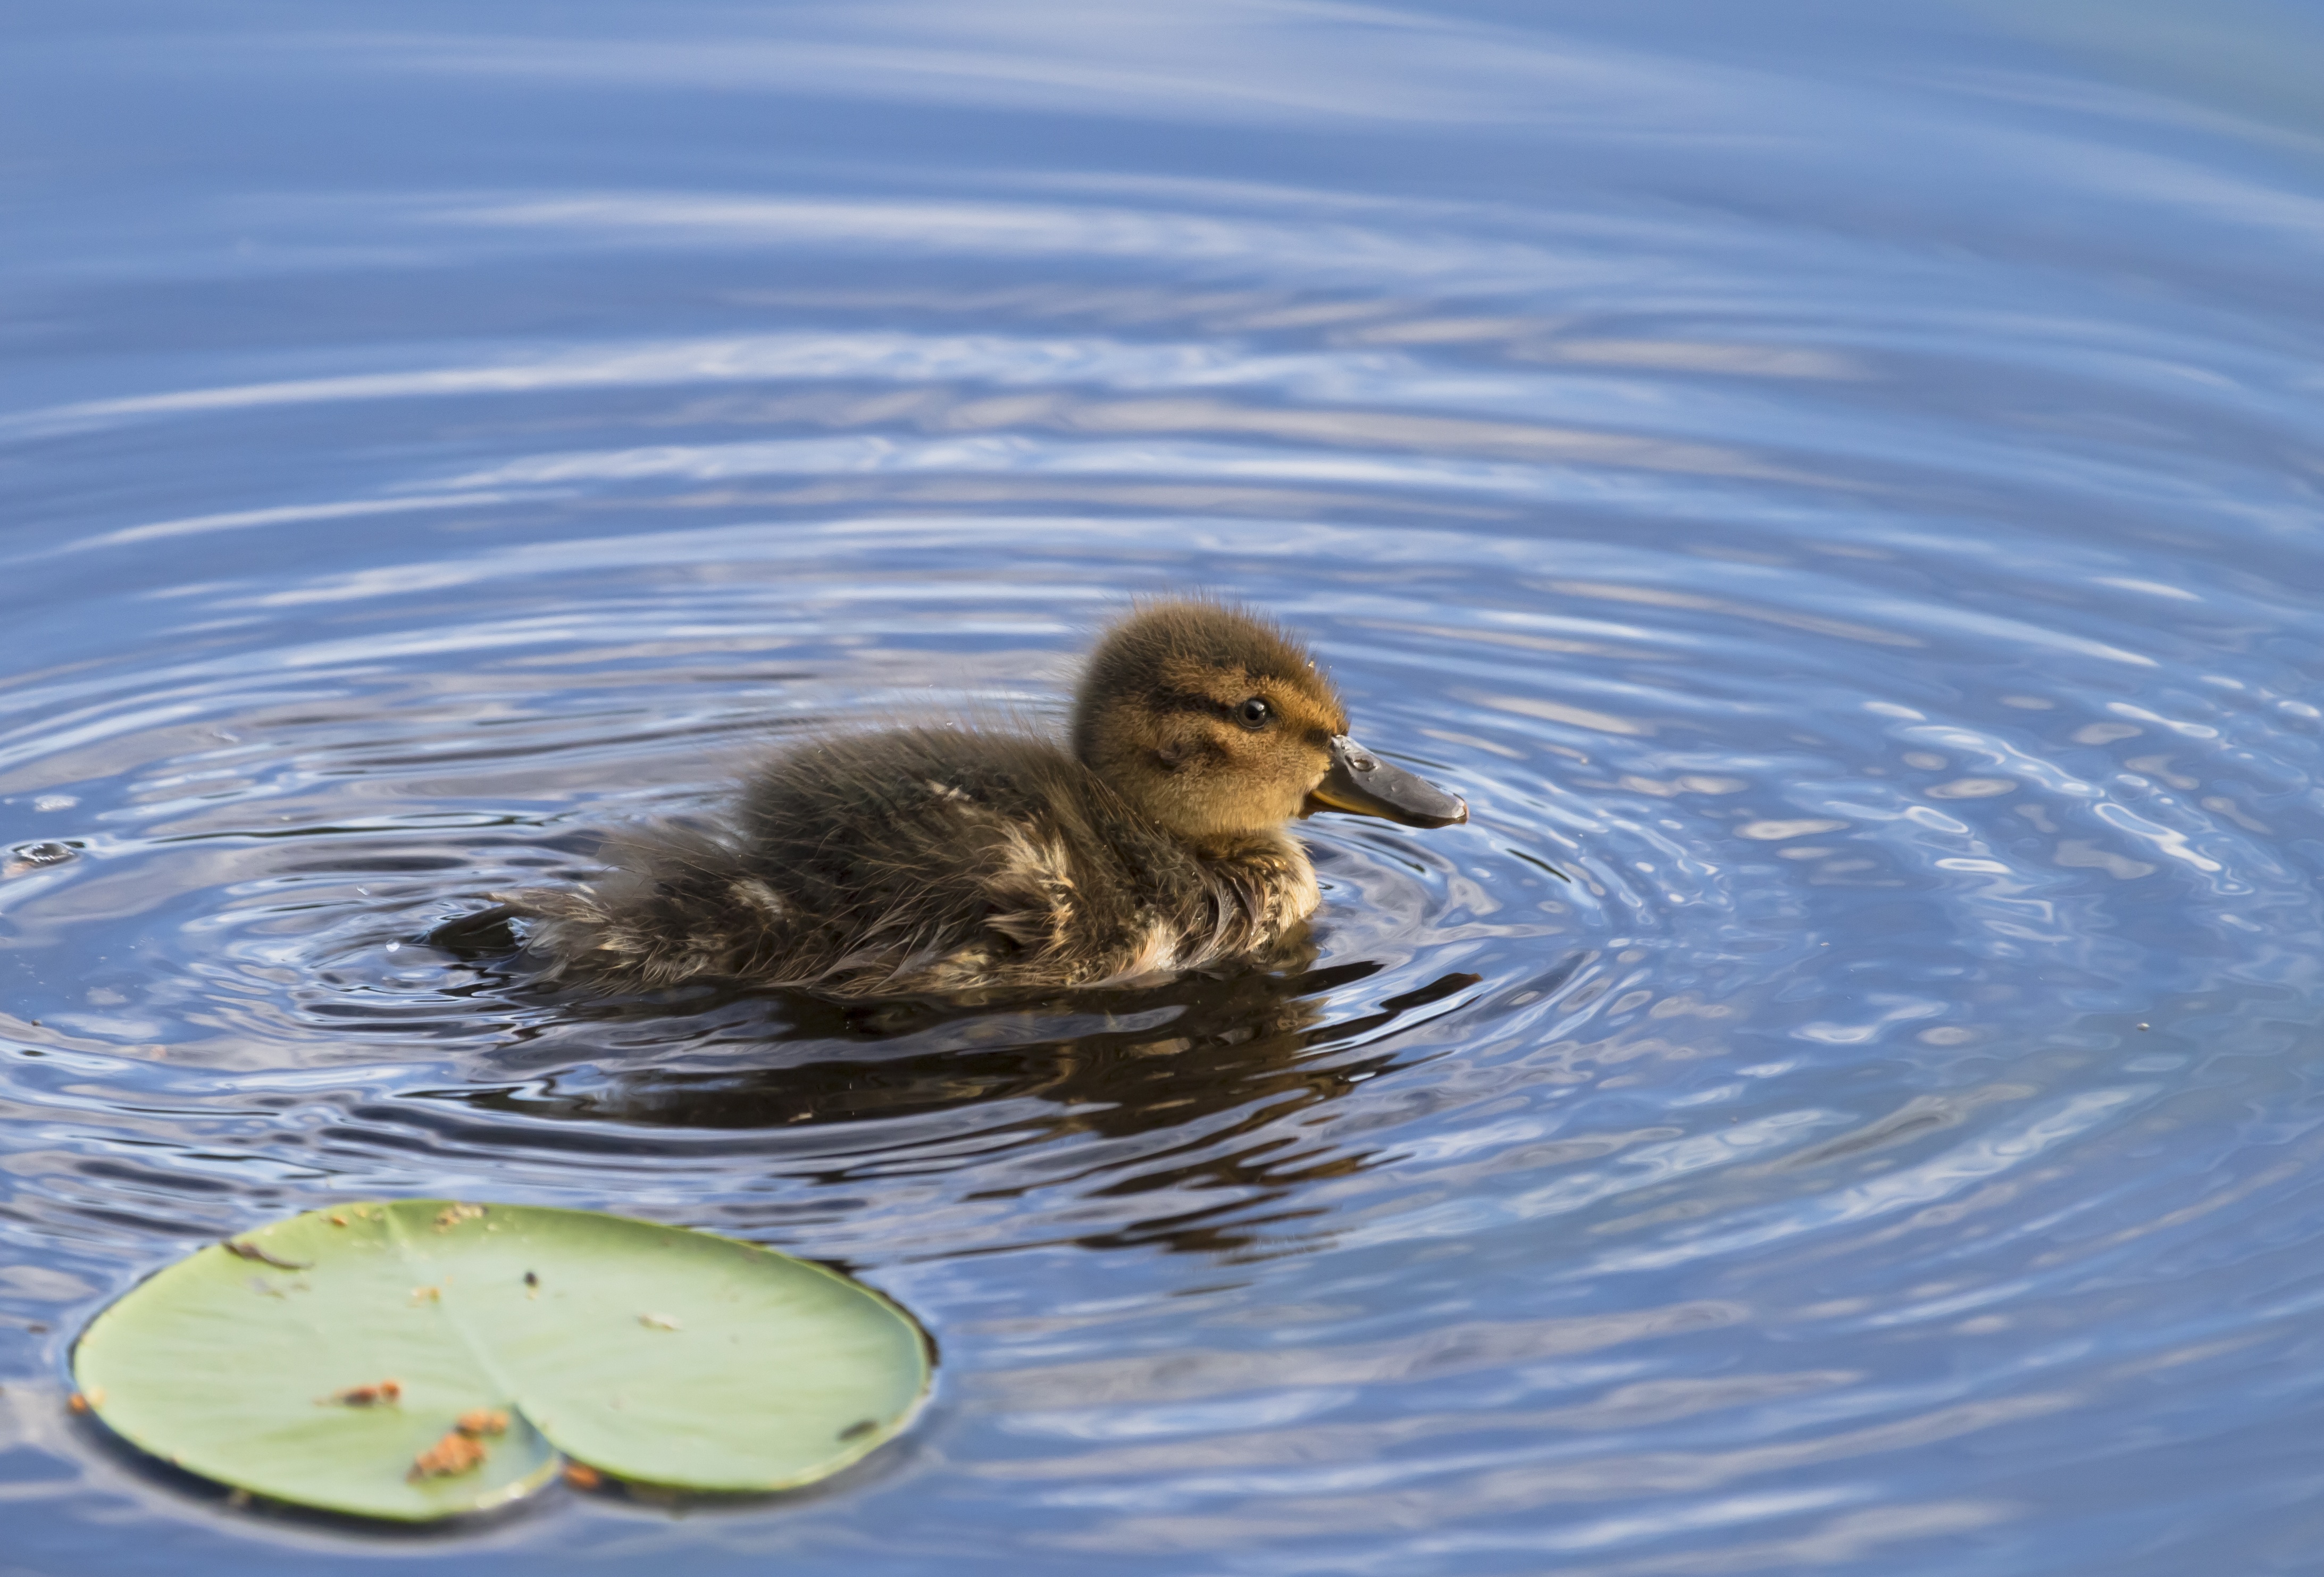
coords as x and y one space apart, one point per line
941 860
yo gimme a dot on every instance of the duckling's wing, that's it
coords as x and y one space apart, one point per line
909 861
678 904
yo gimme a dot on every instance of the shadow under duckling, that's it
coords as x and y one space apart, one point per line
945 861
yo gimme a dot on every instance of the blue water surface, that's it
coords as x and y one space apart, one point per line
1836 486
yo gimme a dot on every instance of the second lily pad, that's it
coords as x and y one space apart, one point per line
320 1360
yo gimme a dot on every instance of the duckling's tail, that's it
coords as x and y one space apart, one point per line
480 935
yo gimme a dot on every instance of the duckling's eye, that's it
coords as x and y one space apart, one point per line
1255 714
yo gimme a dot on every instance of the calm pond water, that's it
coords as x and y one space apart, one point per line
1838 493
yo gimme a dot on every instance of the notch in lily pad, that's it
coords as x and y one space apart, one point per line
425 1358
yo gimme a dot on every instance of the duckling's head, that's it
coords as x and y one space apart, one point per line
1218 725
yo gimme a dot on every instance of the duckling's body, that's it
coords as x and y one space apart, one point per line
927 859
942 860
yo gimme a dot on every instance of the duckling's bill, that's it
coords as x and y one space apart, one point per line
1361 784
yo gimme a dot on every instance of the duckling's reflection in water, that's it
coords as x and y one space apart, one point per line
1253 1047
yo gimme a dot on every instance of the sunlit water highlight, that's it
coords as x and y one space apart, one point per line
1841 502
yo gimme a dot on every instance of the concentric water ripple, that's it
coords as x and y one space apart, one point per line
1849 1099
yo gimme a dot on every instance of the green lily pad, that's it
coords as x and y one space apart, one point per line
653 1353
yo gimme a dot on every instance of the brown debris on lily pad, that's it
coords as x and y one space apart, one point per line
457 1452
